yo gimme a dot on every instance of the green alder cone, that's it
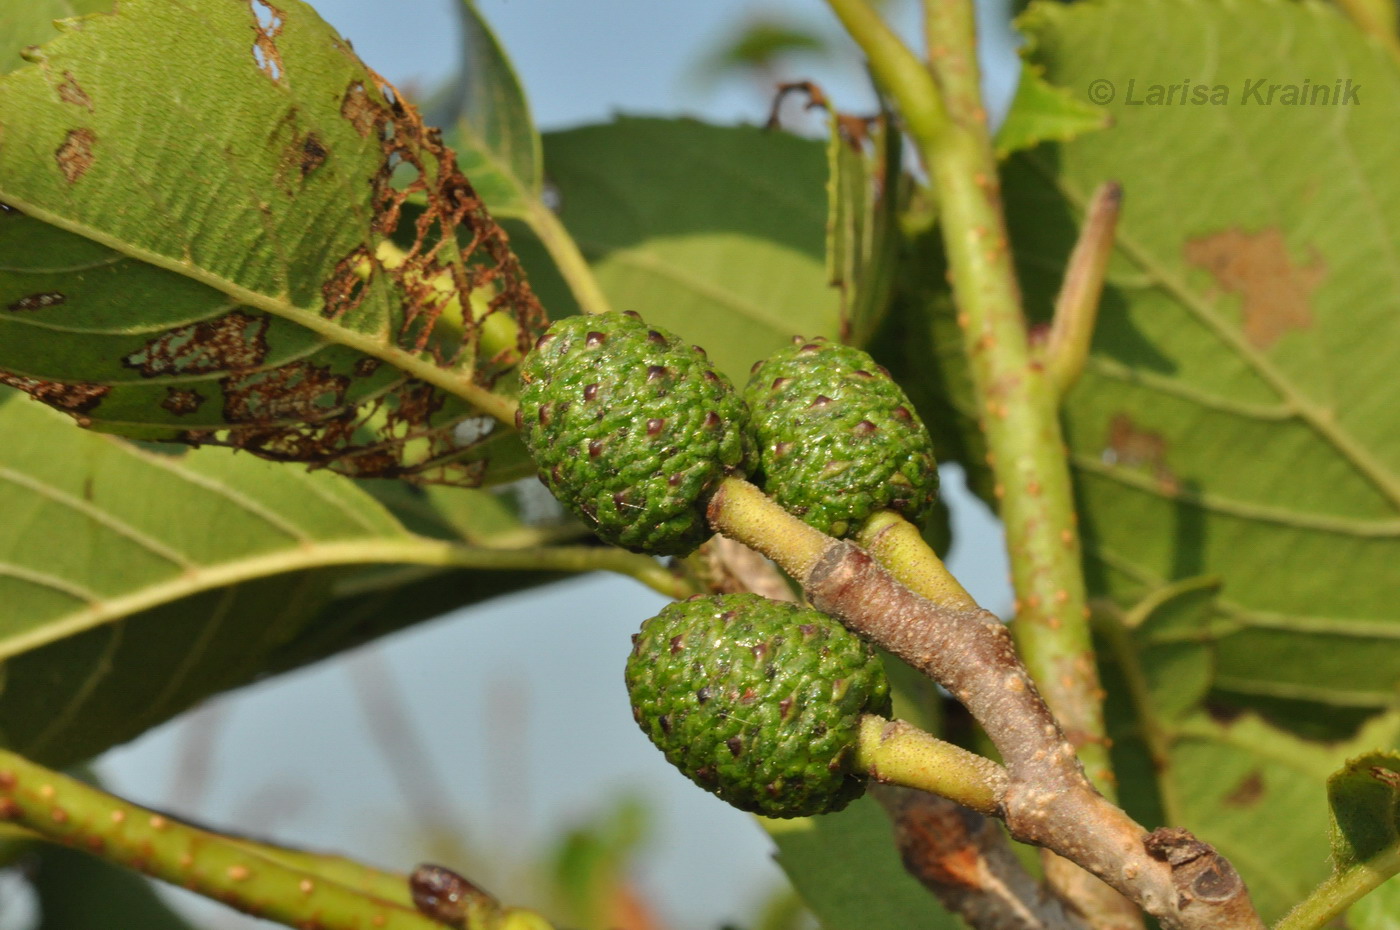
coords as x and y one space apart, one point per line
757 701
837 439
631 429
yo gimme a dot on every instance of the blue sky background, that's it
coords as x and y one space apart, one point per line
518 705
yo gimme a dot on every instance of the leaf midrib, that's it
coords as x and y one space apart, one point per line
495 405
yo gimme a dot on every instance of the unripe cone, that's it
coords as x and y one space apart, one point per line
757 701
631 429
837 439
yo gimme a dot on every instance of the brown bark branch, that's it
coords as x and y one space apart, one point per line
1181 881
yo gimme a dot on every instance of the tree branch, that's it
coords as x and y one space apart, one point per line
1048 801
235 872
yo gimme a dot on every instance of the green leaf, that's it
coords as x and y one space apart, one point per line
1379 910
136 583
1237 417
1255 792
77 891
197 247
862 228
499 148
1041 112
1365 798
32 23
714 232
846 868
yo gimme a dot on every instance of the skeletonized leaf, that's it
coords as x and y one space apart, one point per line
197 246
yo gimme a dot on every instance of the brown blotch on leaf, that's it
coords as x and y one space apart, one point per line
70 91
345 289
367 366
356 107
313 154
1248 791
181 402
234 342
1275 291
296 392
75 397
74 155
40 301
1133 447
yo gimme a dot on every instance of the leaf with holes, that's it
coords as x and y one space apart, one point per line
136 582
197 247
739 272
1238 416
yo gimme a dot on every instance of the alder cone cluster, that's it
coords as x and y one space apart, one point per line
757 701
838 439
631 429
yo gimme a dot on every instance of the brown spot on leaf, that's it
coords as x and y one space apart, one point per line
298 391
181 402
367 366
40 301
74 156
313 154
75 397
356 107
1248 791
1274 291
70 91
1133 447
233 342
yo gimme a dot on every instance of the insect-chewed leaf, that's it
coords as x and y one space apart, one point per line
200 246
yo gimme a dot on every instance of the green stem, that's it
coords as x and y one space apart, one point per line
899 753
1330 900
1017 403
899 546
67 811
744 513
567 258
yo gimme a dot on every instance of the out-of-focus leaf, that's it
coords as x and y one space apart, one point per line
497 144
715 232
757 47
1379 910
847 870
1041 112
862 229
77 891
197 246
31 23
